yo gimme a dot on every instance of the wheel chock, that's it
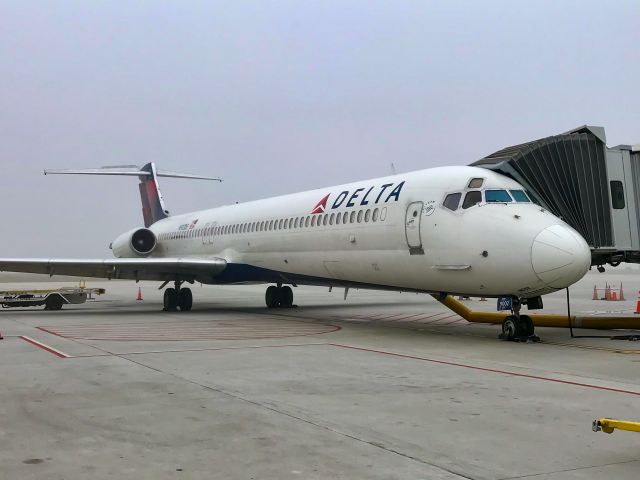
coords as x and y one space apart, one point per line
608 425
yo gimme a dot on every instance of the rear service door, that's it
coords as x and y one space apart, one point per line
412 228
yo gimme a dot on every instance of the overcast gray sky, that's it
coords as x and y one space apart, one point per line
283 96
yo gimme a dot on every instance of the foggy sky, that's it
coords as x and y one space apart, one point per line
283 96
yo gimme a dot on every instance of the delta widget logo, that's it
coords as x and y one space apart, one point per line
321 205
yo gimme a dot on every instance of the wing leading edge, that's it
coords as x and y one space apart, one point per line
163 269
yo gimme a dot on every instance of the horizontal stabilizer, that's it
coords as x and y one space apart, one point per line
128 170
153 208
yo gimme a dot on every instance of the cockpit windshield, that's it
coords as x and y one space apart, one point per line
519 196
474 197
497 196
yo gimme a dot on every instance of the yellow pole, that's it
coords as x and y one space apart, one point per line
608 425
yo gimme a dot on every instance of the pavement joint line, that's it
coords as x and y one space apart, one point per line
576 469
489 370
280 412
273 409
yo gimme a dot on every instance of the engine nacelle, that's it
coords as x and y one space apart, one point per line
140 242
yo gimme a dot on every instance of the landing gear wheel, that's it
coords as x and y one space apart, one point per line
54 302
527 324
286 297
170 300
511 328
185 299
272 297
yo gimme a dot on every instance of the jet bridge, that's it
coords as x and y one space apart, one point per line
594 188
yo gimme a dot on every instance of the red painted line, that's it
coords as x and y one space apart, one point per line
455 320
376 316
424 317
50 331
391 317
49 349
489 370
404 319
432 321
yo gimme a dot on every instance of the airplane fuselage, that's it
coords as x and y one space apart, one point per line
403 232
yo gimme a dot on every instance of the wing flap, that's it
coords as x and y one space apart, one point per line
162 269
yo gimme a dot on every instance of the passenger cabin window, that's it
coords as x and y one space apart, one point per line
497 196
617 194
471 198
519 196
475 183
452 201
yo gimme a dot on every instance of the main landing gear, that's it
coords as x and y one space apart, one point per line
279 297
518 328
177 298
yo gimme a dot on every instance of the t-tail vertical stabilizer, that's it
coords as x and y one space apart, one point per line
153 207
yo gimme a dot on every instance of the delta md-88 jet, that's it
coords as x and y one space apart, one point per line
448 230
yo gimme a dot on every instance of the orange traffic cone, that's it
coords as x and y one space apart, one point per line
638 304
595 293
607 293
139 294
614 296
621 293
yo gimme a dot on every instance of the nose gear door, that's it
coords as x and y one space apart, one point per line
412 228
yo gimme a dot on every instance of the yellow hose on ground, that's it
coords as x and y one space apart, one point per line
542 319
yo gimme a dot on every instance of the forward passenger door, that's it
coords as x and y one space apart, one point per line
412 228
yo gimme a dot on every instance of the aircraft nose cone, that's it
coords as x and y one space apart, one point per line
560 256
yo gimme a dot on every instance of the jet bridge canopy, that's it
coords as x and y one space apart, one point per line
593 188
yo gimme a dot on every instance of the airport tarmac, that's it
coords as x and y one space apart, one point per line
380 386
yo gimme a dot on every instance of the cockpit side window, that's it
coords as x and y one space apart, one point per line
497 196
519 196
472 198
475 183
452 201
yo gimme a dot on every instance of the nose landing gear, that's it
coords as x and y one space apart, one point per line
518 328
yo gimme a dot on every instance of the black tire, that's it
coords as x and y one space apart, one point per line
286 297
170 300
527 325
54 302
511 327
272 297
185 299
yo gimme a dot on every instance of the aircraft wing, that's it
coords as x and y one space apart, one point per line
163 269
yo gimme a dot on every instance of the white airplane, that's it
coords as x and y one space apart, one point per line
449 230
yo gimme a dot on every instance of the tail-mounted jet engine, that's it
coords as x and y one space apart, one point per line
140 242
